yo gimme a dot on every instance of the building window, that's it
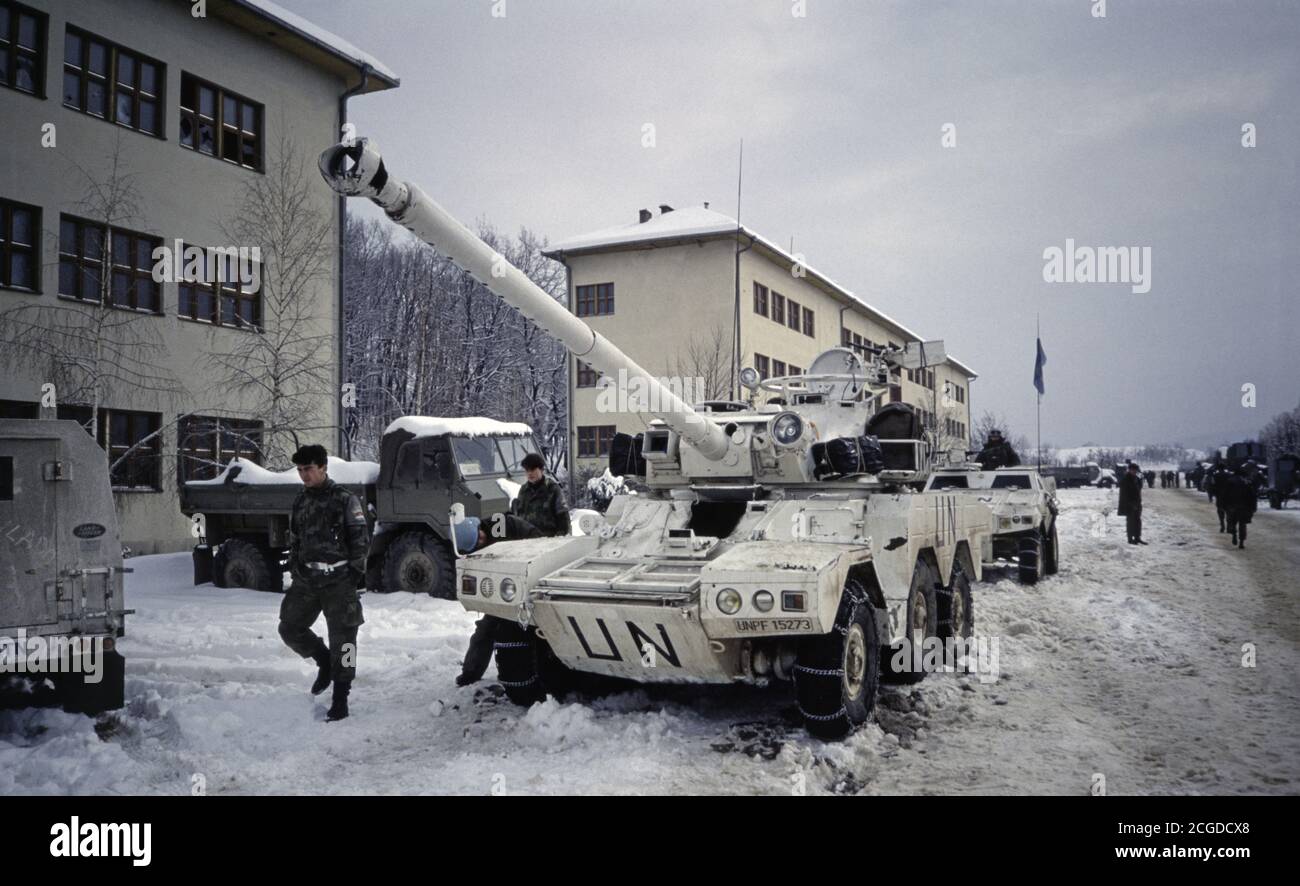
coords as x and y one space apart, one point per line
857 341
216 122
217 296
794 370
778 307
130 436
105 80
594 440
19 409
760 299
22 48
595 300
586 377
205 445
763 365
792 314
20 246
81 265
778 368
808 322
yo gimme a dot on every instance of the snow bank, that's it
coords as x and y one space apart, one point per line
426 426
349 473
509 487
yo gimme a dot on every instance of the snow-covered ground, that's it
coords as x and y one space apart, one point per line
1128 664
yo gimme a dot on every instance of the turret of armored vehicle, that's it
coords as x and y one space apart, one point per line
1024 507
782 541
61 596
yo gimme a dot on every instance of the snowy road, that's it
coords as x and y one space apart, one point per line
1128 664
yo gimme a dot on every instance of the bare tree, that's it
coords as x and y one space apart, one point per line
96 347
705 359
283 363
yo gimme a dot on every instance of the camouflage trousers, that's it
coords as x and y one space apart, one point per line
336 596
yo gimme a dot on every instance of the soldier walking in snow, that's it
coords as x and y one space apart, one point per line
327 557
1241 503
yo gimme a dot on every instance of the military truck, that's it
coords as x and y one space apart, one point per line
60 567
1284 479
748 558
426 465
1089 474
1024 507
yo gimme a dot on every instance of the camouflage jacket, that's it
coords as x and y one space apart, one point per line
328 524
542 504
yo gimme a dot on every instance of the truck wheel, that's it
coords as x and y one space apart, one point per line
1031 558
243 564
421 564
1052 552
956 609
517 653
922 623
836 674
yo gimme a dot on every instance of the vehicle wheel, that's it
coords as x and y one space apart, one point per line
956 609
1052 552
836 675
1030 555
922 623
517 653
421 564
243 564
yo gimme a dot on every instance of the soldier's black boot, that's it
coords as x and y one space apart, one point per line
339 709
323 679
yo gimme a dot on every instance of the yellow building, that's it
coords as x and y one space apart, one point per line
664 289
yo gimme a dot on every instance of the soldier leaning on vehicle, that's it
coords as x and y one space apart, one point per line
539 509
327 558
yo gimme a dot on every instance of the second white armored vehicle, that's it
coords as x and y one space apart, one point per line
1024 507
782 541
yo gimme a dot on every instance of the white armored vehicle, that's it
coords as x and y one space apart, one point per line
779 542
61 603
1024 513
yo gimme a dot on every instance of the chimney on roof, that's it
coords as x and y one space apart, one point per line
645 216
664 209
706 204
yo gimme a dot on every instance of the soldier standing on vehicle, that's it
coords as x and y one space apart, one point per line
997 453
327 557
1130 503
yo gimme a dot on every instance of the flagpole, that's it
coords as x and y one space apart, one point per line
1038 332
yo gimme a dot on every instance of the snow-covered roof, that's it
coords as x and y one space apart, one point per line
349 473
698 222
425 426
318 36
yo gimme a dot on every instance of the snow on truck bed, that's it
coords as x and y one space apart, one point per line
349 473
427 426
1127 663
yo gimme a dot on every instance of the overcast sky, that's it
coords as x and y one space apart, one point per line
1116 131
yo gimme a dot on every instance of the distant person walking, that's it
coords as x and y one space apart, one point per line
1130 503
1241 501
1219 483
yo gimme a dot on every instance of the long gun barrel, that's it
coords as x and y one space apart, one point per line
355 169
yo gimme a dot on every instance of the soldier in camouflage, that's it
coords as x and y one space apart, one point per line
538 509
540 500
327 557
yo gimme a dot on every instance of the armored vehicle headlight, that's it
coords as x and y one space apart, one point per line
787 428
485 587
729 601
468 585
764 601
507 590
